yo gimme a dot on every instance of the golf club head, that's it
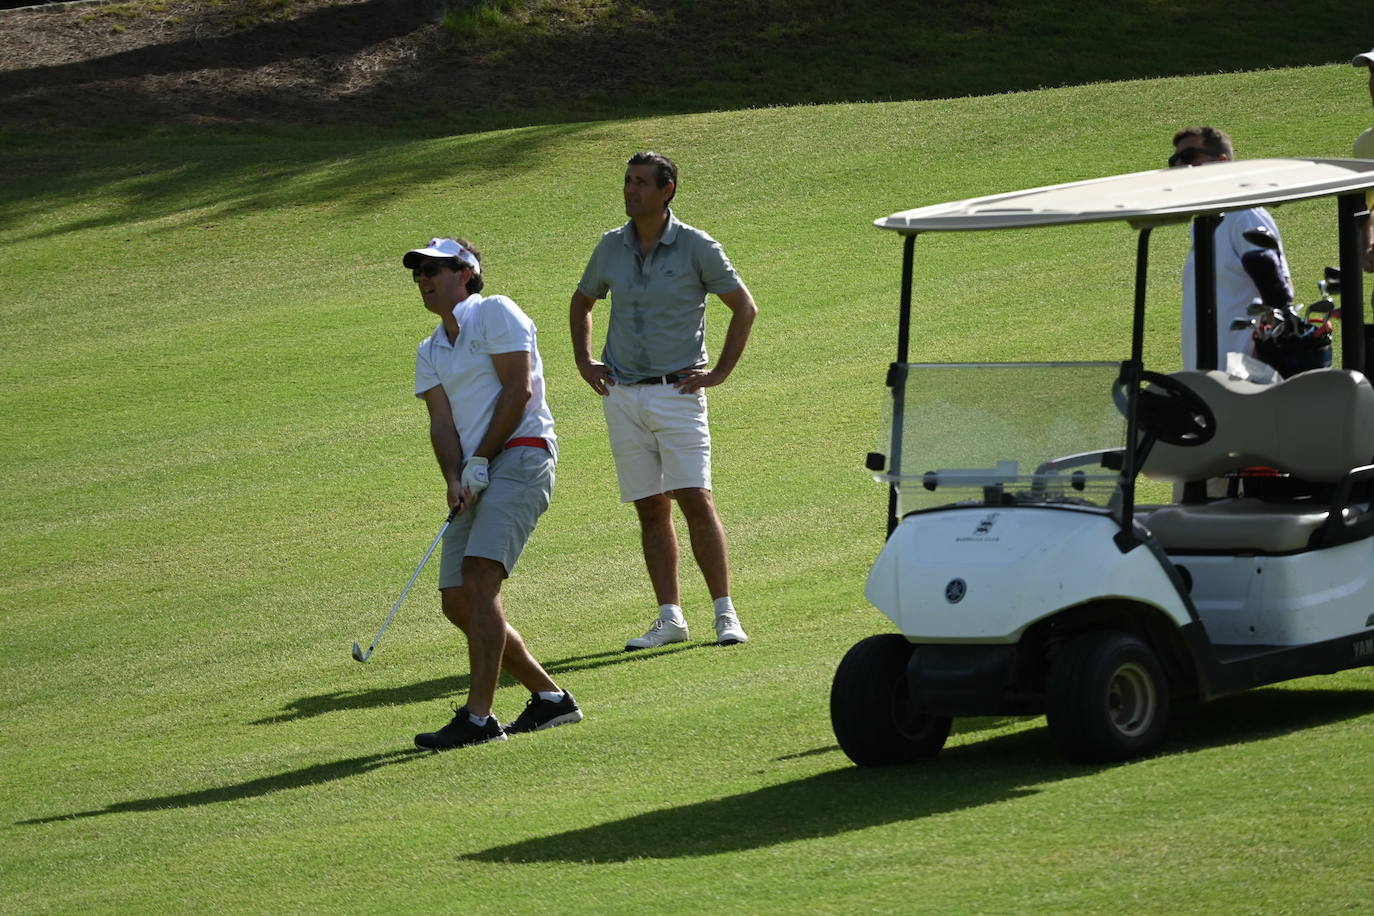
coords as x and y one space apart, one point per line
358 655
1332 279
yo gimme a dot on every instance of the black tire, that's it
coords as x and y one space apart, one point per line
870 708
1107 698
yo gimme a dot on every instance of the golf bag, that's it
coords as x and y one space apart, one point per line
1289 354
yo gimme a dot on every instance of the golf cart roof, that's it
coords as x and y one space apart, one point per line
1145 198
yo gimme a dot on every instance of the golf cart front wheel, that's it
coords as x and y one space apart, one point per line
871 710
1107 698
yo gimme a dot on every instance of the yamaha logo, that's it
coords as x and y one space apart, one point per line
955 591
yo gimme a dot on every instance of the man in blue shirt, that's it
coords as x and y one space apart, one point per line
652 377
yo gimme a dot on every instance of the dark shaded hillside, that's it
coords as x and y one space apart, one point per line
391 64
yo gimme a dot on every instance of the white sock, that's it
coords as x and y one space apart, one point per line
479 721
553 696
724 606
672 613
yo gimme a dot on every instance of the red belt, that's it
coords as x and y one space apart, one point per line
531 441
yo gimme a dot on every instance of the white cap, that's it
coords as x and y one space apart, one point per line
1363 60
442 248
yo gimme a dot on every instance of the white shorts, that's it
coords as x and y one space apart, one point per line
660 439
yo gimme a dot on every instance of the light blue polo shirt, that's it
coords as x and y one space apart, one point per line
658 302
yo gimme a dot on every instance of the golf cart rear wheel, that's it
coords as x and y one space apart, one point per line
871 710
1107 698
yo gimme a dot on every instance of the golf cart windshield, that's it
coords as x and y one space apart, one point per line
1003 434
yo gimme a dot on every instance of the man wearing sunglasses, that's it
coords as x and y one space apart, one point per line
1239 279
482 381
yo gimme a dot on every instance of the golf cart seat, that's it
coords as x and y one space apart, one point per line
1317 426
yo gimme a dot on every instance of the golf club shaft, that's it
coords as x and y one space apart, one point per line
413 576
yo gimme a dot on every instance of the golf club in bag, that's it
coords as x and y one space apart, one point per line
1288 341
358 654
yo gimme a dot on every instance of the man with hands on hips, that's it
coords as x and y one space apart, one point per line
652 377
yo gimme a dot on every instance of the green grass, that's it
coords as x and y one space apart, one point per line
216 478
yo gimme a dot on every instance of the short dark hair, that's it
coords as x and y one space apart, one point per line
1215 141
475 282
665 170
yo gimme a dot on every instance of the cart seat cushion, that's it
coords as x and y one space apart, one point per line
1236 525
1316 425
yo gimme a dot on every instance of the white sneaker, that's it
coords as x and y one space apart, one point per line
728 630
661 633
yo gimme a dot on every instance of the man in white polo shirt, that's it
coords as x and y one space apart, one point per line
482 381
652 378
1239 280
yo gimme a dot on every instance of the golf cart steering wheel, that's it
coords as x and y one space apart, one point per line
1169 409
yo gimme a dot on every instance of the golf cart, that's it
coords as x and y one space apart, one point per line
1021 573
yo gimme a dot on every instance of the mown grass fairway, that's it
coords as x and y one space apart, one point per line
216 478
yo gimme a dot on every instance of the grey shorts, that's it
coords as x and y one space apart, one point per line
501 523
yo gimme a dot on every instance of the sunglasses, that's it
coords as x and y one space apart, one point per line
1189 155
430 269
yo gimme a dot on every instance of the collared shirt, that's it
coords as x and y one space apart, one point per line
658 301
1235 289
486 326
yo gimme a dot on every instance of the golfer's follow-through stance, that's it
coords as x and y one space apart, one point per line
653 377
482 380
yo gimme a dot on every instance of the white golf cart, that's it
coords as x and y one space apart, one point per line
1021 574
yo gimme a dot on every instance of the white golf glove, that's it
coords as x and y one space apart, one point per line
475 474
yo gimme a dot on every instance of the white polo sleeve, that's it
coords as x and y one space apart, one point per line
426 376
503 328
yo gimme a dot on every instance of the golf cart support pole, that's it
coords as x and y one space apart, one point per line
1125 538
896 380
1205 289
1351 214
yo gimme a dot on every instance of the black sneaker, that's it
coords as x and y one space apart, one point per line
541 713
461 733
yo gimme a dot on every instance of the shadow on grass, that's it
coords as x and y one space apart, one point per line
981 773
962 726
441 687
190 132
207 182
254 788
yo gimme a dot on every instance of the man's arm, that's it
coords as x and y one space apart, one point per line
448 450
517 387
594 373
742 314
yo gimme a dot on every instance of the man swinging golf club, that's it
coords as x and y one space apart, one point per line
482 380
